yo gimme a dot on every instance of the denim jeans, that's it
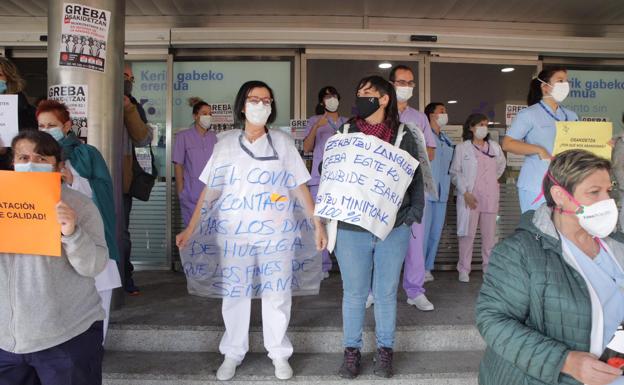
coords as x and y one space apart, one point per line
361 255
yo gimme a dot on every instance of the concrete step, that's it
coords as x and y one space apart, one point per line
166 318
180 368
305 339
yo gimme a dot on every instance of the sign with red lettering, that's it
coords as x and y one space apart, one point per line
75 97
84 37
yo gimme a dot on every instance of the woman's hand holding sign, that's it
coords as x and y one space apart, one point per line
66 218
320 235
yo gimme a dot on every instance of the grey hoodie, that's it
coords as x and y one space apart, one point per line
45 301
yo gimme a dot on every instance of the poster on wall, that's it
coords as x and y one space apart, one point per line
297 131
511 110
84 37
75 97
8 119
222 116
596 96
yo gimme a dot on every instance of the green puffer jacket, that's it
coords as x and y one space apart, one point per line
534 306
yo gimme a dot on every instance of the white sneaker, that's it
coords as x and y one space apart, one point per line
428 276
464 277
421 302
227 370
370 301
283 371
325 274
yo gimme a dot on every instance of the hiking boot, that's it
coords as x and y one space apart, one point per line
383 363
351 363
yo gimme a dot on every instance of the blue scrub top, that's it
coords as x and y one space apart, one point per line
607 279
536 125
440 166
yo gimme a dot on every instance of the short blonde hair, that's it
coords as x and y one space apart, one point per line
15 83
569 169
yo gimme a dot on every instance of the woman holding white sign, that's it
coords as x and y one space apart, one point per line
254 180
361 254
11 83
319 128
481 159
533 131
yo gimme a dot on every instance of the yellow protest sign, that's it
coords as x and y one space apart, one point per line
28 223
590 136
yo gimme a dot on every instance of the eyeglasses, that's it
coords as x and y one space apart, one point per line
403 83
256 100
128 77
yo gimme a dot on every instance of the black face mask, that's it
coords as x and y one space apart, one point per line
366 105
127 87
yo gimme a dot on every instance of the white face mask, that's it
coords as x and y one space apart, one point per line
205 121
559 91
481 132
332 104
442 120
404 93
599 219
257 114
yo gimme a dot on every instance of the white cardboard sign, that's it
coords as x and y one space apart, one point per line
363 182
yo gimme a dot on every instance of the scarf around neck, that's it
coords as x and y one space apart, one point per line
380 130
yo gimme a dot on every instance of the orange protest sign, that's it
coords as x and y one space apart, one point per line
28 223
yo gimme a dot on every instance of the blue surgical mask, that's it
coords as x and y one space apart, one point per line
33 167
3 86
56 132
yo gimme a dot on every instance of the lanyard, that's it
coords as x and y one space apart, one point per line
261 158
552 115
332 124
444 139
487 153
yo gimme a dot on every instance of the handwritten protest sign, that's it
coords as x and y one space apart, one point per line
28 222
590 136
363 181
254 239
8 119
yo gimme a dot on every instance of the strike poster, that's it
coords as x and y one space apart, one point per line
363 182
76 98
28 221
8 119
84 37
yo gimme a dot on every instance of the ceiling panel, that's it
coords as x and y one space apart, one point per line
579 12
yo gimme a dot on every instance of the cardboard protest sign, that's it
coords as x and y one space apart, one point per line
363 181
590 136
28 222
8 119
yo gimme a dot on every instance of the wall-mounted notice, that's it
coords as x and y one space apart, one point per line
9 125
511 110
222 113
297 131
84 37
75 97
363 181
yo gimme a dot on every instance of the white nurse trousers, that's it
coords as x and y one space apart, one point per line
275 319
